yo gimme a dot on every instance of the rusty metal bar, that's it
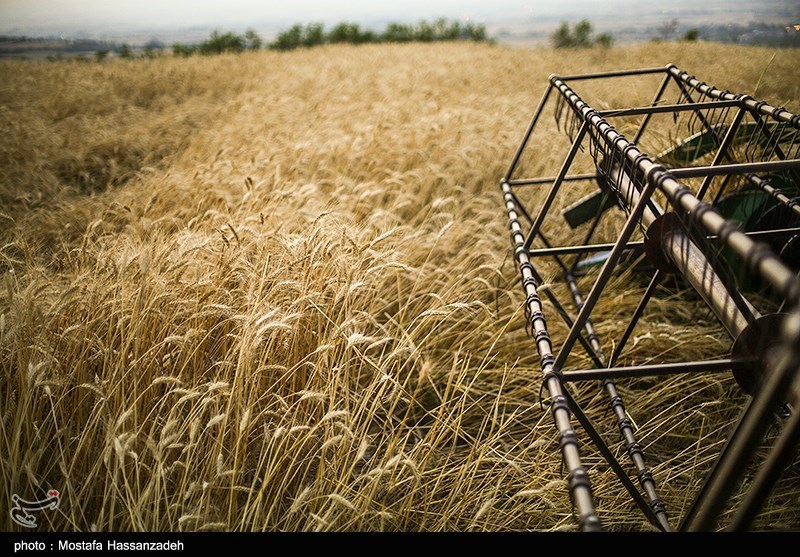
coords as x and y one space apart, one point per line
737 168
748 102
551 195
637 314
527 136
551 179
722 153
577 476
620 73
710 366
664 108
646 120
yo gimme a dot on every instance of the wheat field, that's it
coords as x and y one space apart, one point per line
273 291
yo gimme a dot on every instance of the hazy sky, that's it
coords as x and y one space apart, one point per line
36 13
67 15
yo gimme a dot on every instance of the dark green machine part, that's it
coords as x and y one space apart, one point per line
683 153
704 142
587 208
757 211
753 208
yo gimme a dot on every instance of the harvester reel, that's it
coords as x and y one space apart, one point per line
717 211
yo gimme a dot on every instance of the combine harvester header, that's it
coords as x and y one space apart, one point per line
713 213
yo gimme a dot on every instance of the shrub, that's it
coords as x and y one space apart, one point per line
579 36
475 32
667 29
562 38
583 33
604 40
179 49
287 40
398 33
349 33
447 31
314 35
692 35
151 53
425 32
222 42
253 40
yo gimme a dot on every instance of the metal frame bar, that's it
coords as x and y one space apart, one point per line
527 135
735 168
572 250
722 153
749 103
654 508
646 120
578 477
551 195
769 473
593 248
620 73
551 179
664 108
737 453
710 366
637 314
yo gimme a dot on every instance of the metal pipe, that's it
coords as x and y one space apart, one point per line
619 73
664 108
711 366
551 179
777 114
592 248
737 168
551 195
528 132
768 188
656 100
578 477
688 258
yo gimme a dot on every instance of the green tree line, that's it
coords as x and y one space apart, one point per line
442 29
220 42
315 34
